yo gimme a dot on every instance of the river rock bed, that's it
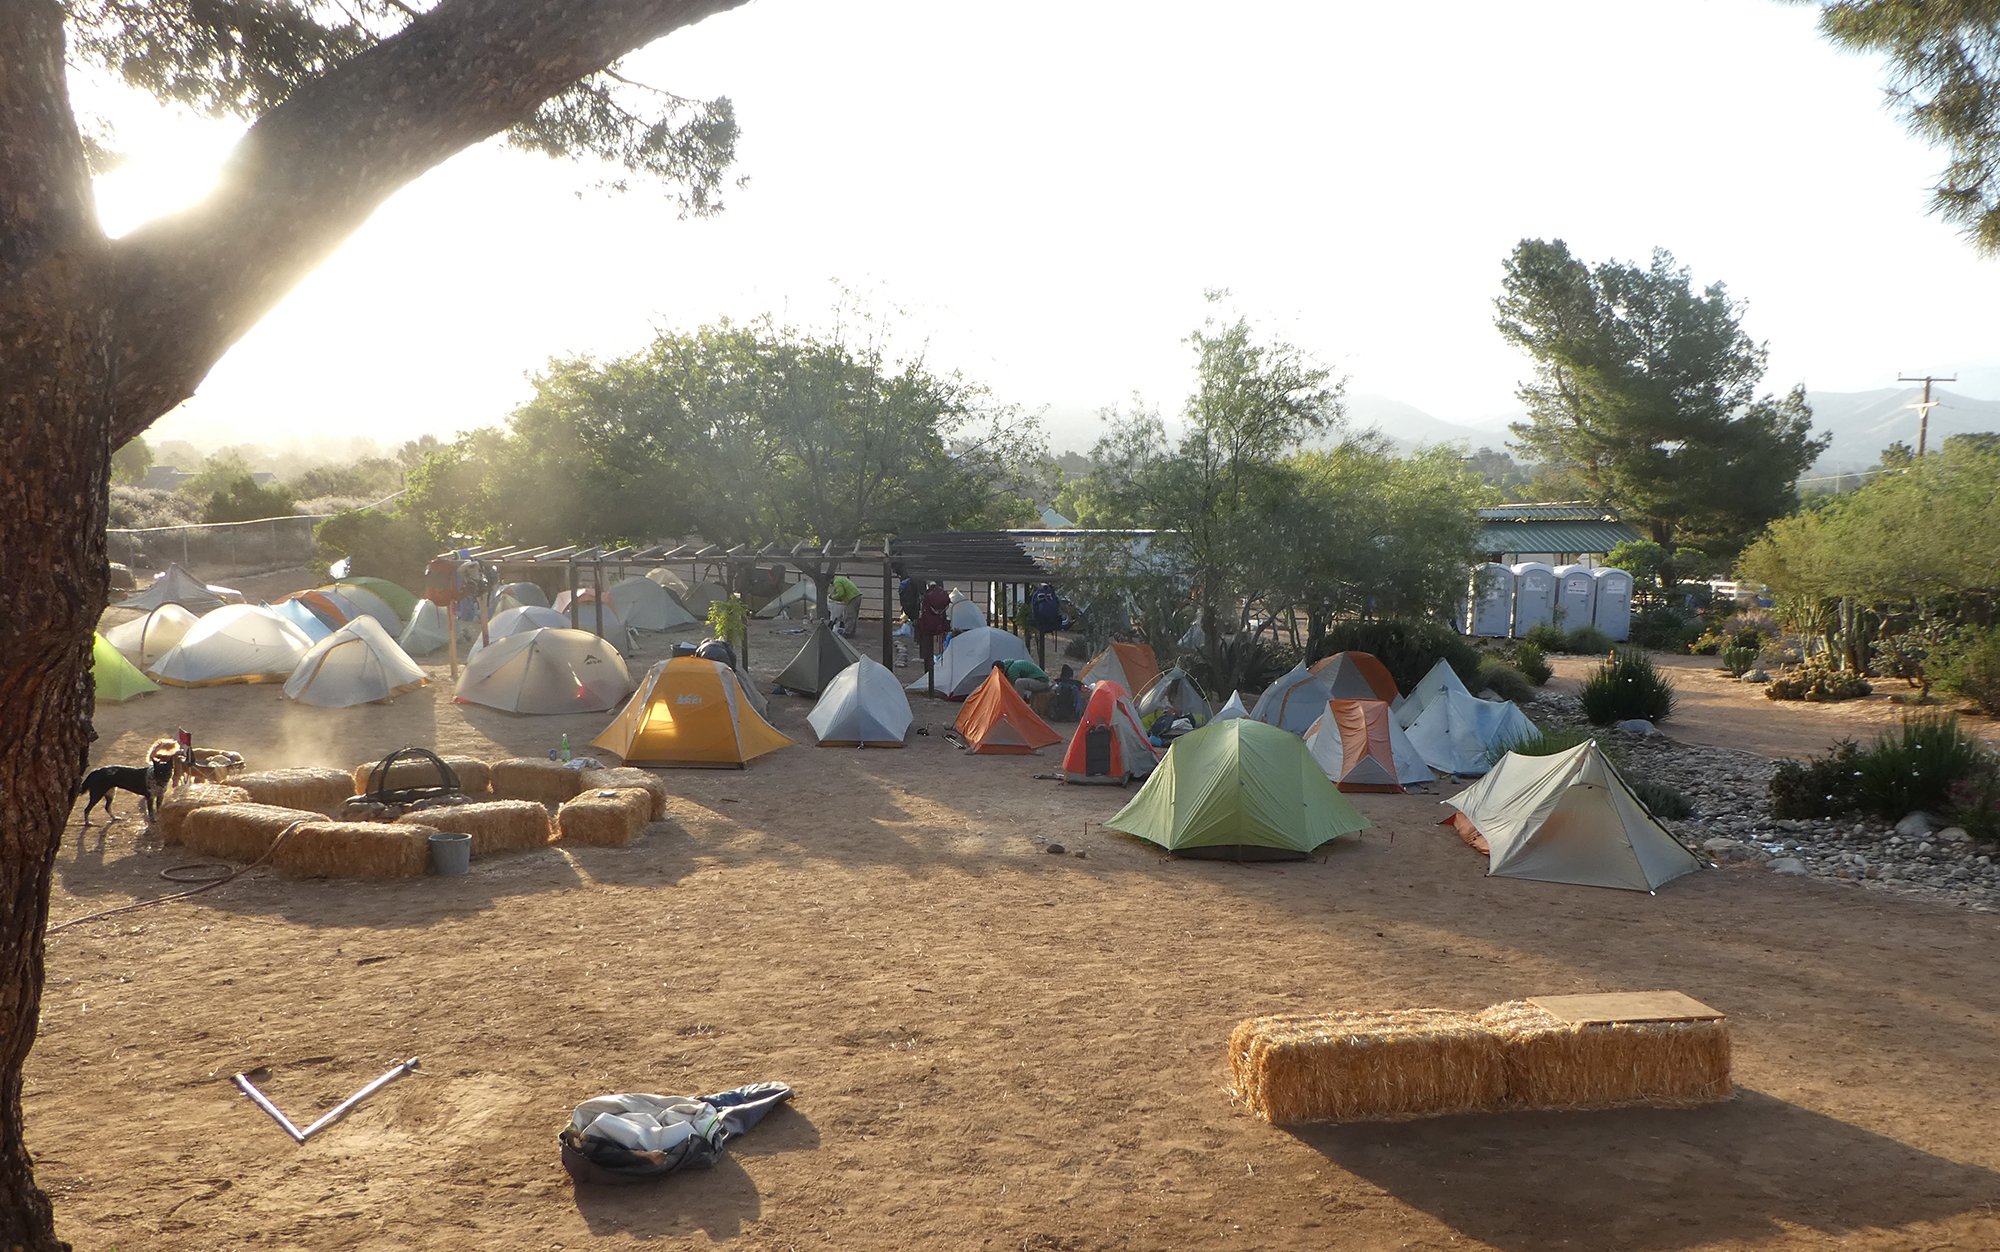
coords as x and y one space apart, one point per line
1732 824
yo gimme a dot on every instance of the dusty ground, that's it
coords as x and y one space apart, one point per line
993 1047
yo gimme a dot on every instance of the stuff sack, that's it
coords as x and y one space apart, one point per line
632 1137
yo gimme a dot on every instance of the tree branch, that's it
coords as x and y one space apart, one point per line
45 201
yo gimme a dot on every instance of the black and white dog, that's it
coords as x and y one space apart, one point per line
148 782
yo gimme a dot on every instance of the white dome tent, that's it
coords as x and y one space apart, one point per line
145 640
546 671
357 664
239 643
965 664
645 605
863 706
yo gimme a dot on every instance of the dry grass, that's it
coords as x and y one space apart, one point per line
605 818
495 825
239 832
474 776
626 776
1337 1067
171 822
304 787
529 778
355 850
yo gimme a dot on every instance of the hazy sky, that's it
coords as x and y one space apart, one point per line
1045 190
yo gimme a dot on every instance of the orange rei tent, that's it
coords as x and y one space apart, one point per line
1356 676
1109 745
996 719
1130 665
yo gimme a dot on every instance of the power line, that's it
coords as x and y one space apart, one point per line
1924 406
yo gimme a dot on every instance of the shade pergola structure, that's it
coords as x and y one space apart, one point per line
993 557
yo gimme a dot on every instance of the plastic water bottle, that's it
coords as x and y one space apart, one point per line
565 747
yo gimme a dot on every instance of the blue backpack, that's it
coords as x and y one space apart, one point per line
1048 610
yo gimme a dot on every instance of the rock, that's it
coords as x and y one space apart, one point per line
1790 866
1954 834
1636 726
1055 849
1756 676
1917 823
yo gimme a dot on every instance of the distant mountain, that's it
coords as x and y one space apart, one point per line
1863 423
1408 426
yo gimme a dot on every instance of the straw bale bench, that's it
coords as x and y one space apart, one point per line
1657 1048
609 817
629 776
535 778
239 832
303 787
374 850
171 819
495 825
473 775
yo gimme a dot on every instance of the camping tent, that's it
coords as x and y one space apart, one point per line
1177 689
645 605
1356 676
1109 746
427 632
115 678
1461 734
1442 678
699 597
1569 818
519 621
1360 746
146 639
366 601
802 594
357 664
862 705
965 615
824 654
689 711
996 719
1239 788
1294 701
302 615
602 619
177 586
517 595
674 583
550 670
395 595
748 689
961 667
1130 665
238 643
1231 709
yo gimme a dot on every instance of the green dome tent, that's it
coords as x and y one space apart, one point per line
117 679
1240 789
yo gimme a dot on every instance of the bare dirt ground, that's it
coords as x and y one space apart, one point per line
993 1047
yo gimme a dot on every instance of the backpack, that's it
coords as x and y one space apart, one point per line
1048 610
1065 701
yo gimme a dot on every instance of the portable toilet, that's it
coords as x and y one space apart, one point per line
1534 596
1613 614
1492 597
1576 596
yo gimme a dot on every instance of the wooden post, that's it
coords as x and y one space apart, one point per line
597 587
451 637
572 593
888 615
485 605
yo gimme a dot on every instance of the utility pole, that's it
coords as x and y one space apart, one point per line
1924 406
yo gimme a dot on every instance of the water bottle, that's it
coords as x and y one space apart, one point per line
565 747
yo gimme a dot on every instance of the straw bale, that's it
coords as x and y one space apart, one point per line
1553 1064
355 850
239 832
539 779
495 825
473 775
171 822
1353 1066
606 818
305 787
627 776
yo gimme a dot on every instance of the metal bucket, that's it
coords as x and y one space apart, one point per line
451 852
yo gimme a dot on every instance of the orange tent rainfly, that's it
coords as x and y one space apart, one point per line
1130 665
1109 745
689 711
1359 745
1356 676
996 719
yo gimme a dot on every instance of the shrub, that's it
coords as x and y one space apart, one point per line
1738 660
242 500
1587 641
1711 642
1821 786
1529 660
1506 682
1407 650
1543 743
1664 629
1817 683
1627 686
1917 768
1240 663
1664 801
1975 803
1547 636
1752 639
141 508
1974 672
377 545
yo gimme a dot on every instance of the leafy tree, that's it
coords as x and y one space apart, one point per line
242 500
1645 395
377 545
370 476
130 463
1944 66
1499 469
348 102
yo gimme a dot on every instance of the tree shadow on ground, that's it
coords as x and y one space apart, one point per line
718 1202
1743 1170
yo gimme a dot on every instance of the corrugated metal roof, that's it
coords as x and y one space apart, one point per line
1553 536
1567 511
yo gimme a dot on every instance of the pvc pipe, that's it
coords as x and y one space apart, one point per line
333 1114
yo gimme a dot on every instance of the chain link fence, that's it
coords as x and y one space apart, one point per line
219 550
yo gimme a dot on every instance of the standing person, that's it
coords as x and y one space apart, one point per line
845 604
934 622
911 594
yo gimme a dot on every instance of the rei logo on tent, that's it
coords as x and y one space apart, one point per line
687 698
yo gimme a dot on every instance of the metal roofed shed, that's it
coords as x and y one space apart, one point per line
1574 533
